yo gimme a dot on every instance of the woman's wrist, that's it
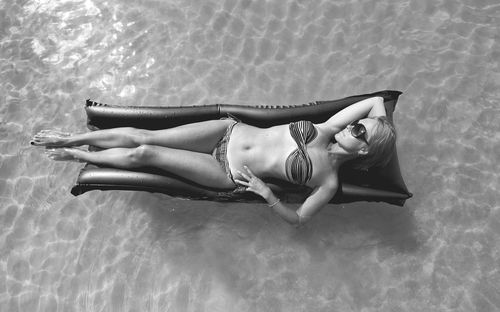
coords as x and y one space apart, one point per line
269 196
271 205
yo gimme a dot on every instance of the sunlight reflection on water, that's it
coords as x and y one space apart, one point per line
141 251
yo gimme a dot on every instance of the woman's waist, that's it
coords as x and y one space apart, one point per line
250 138
261 149
264 162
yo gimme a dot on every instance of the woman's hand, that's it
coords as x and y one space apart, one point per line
253 183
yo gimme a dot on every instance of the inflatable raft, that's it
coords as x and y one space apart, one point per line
383 184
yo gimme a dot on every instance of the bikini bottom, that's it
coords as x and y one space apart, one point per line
220 154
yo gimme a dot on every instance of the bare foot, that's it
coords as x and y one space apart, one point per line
62 154
50 138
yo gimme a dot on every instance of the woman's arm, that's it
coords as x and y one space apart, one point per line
370 107
319 198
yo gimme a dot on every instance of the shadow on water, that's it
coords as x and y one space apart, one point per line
351 227
233 247
360 226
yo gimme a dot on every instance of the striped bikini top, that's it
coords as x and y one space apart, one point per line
298 164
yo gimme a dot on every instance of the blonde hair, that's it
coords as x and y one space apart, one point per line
381 146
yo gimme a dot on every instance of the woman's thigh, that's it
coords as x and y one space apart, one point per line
198 137
198 167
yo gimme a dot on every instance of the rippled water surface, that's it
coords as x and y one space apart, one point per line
126 251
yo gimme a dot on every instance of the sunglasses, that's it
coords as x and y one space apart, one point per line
358 131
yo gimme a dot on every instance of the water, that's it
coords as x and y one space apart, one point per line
125 251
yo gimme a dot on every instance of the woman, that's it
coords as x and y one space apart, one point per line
228 154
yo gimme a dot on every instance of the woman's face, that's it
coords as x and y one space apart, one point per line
351 144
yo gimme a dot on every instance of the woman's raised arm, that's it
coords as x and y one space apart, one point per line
370 107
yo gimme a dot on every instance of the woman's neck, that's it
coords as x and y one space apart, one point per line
338 155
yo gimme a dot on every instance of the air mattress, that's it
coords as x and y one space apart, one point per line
377 184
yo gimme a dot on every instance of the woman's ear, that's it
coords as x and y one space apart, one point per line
363 151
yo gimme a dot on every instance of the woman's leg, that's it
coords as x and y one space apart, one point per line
198 167
198 137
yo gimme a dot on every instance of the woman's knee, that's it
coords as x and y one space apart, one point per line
141 155
137 136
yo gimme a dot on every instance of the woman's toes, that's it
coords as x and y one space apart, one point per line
50 138
63 154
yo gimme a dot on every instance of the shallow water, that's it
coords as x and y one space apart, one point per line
125 251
